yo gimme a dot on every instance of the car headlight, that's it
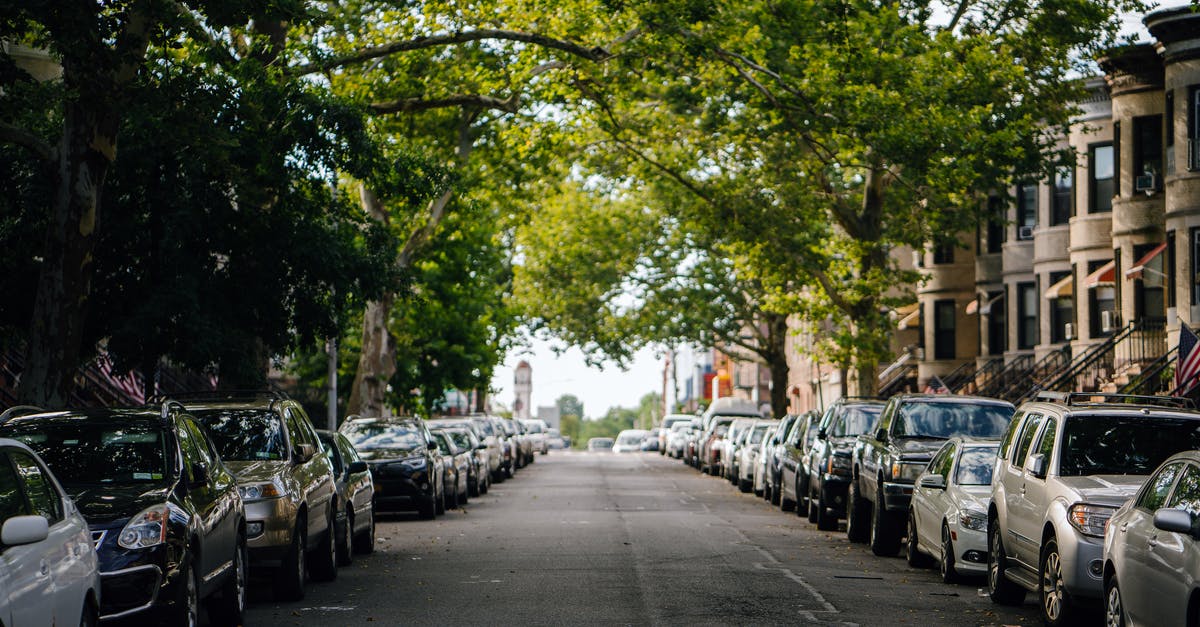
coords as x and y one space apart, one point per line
1090 520
972 519
148 528
259 491
838 465
907 471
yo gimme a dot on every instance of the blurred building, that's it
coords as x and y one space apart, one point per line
523 390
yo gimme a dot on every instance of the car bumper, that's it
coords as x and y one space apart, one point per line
269 527
970 550
397 495
131 591
834 489
1082 561
897 496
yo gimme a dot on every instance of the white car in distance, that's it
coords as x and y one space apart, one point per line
947 519
629 441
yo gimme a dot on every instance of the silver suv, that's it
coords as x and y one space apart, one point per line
1064 466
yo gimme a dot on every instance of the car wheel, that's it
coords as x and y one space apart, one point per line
90 617
912 553
801 495
229 607
767 495
364 542
775 493
289 584
785 504
813 509
1114 609
857 511
1056 606
473 487
885 538
826 521
324 559
186 612
744 486
345 539
439 501
1000 589
949 575
427 509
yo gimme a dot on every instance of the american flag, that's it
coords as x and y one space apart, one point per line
936 386
1189 361
129 383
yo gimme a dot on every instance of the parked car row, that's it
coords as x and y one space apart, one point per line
149 513
1089 501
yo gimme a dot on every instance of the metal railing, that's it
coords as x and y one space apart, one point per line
905 375
1140 342
958 377
1156 378
974 384
1006 376
1042 368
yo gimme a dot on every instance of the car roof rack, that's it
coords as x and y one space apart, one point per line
19 410
219 396
1090 398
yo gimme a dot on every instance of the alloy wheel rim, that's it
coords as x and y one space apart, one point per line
193 601
994 562
1113 611
1052 587
946 550
240 576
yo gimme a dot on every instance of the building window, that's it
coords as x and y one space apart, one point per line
943 330
1100 299
1026 210
1062 311
943 253
1117 158
1171 269
1149 291
1169 132
1061 205
995 225
997 323
1193 127
1147 153
1027 315
1100 178
1194 236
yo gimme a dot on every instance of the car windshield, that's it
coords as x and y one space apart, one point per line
630 438
245 434
382 436
461 439
948 419
486 427
756 436
1123 445
855 421
90 453
975 465
533 427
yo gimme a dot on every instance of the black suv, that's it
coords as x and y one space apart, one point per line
888 458
405 465
829 462
165 514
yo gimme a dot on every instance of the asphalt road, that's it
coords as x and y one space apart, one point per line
602 538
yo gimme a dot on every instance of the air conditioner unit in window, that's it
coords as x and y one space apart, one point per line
1108 321
1145 183
1024 232
1069 331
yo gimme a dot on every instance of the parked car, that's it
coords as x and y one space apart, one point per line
708 447
774 461
40 526
664 432
165 518
603 445
539 433
554 440
477 477
760 460
456 469
525 452
749 451
650 442
888 458
355 519
830 459
793 467
1064 468
1151 549
488 451
629 441
405 467
510 458
286 482
677 438
947 519
729 447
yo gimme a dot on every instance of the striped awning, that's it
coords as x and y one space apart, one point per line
1104 276
1063 289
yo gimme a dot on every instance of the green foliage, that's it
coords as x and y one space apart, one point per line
569 405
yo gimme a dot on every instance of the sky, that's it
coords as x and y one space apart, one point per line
555 375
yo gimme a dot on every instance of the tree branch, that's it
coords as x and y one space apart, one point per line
409 105
596 53
15 135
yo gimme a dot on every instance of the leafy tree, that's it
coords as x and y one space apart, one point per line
569 405
650 410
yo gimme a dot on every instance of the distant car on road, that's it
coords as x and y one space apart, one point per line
664 431
629 441
600 444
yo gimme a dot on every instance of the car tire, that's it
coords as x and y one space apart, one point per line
785 504
858 510
439 503
826 521
775 494
946 565
186 610
90 616
289 584
1000 589
473 487
364 541
1054 601
427 509
744 486
324 559
813 509
885 537
912 551
801 495
229 607
345 539
1114 607
767 496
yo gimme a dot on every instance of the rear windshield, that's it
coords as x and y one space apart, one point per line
382 436
855 421
1123 445
244 435
82 453
945 420
975 466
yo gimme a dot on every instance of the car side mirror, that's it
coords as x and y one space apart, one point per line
20 530
881 435
1037 465
357 467
481 447
303 452
1168 519
822 434
199 475
933 482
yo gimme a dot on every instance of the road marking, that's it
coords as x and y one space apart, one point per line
329 608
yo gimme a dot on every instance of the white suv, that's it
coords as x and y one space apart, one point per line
1063 468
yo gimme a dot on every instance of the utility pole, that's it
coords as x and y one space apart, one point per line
331 411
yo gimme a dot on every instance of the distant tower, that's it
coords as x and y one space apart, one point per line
523 386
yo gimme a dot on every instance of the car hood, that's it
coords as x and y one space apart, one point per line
918 447
1104 489
105 503
976 497
257 471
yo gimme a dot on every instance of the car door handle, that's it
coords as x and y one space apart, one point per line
1152 542
45 569
1022 490
1124 525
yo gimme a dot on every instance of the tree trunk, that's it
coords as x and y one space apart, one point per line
376 363
85 153
777 331
868 379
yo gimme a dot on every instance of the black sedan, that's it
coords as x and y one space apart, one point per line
405 466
